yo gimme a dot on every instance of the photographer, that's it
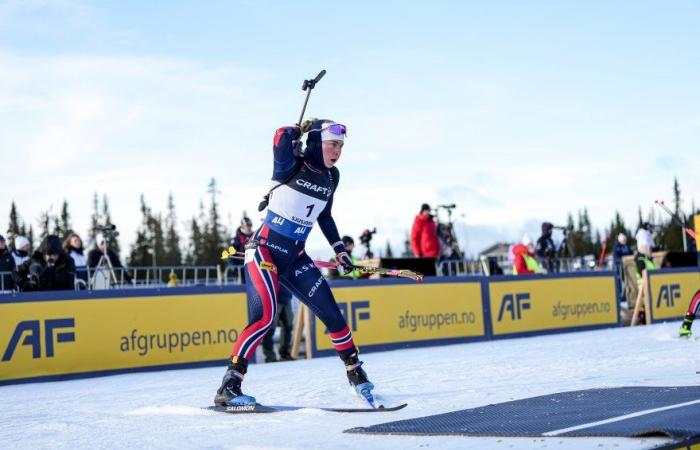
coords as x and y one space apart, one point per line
545 249
365 239
102 249
48 269
424 239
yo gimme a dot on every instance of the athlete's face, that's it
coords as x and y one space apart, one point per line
331 152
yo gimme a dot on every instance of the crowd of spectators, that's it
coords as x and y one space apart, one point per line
54 265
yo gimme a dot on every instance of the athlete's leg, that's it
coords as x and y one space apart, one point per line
305 281
262 286
285 319
268 343
693 311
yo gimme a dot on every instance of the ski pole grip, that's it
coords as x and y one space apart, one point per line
319 76
310 84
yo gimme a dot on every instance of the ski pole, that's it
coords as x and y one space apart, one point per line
307 86
676 219
232 253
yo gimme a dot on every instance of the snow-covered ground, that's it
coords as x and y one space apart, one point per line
162 409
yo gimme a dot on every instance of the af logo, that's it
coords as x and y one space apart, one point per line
515 305
358 311
31 331
668 293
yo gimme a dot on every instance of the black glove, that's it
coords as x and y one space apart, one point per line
345 265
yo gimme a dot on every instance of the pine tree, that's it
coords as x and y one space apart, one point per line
670 237
65 224
44 224
107 217
194 251
597 245
589 235
155 229
407 251
141 249
14 228
213 239
172 253
94 217
388 253
56 227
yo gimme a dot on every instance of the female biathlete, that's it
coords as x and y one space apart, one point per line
305 181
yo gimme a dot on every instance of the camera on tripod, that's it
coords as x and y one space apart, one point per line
365 239
109 231
563 228
366 236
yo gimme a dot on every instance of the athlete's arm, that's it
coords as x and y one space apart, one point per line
285 151
326 221
327 224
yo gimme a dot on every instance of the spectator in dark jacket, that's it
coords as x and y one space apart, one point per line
239 241
48 269
424 239
7 264
102 247
620 250
545 249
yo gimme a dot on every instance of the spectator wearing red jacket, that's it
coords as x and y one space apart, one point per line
424 240
525 260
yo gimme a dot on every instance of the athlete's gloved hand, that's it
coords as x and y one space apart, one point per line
287 138
306 125
345 265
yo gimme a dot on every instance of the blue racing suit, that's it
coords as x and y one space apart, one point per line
302 196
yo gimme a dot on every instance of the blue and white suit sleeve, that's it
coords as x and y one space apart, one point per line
285 161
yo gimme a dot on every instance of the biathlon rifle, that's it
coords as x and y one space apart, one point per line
232 253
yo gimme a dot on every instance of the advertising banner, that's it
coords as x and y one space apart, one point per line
671 291
61 337
381 315
551 303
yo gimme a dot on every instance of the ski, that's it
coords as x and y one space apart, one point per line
258 408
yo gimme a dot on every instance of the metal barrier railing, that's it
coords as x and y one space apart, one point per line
481 267
144 277
170 276
6 282
459 267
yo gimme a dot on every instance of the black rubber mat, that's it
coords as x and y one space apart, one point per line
538 416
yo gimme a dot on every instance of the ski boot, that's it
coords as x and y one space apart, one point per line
685 327
357 377
229 393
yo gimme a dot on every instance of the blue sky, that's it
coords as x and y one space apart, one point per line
519 112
